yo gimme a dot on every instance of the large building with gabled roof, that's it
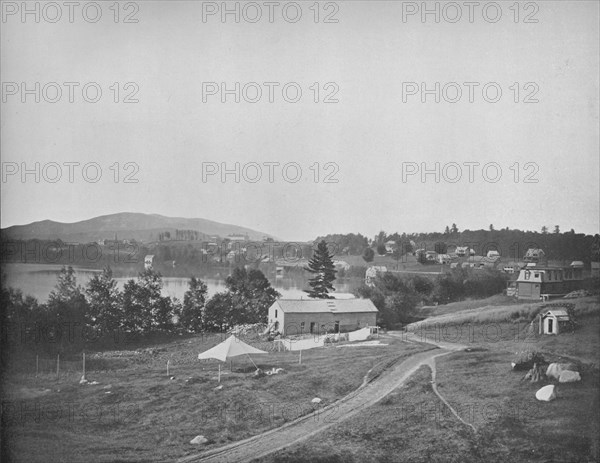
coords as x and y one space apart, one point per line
317 316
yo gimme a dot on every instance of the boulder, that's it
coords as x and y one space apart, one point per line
316 400
279 370
554 369
259 373
199 440
546 394
568 376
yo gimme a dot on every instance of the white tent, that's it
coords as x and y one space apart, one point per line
231 347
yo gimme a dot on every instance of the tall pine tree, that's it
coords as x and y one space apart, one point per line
321 265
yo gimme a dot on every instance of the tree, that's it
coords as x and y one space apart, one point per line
251 295
217 314
447 230
454 228
368 255
491 227
556 229
67 304
422 258
381 249
104 300
544 230
440 247
192 313
321 265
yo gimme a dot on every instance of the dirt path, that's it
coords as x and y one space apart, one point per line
310 425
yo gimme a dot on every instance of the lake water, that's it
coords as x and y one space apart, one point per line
38 280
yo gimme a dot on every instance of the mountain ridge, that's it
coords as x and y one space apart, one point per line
126 225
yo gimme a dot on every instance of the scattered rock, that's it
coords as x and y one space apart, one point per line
172 378
108 386
107 392
199 440
218 388
279 370
554 369
83 380
316 400
546 394
568 376
94 383
259 373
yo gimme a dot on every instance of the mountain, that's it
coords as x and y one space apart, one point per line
126 225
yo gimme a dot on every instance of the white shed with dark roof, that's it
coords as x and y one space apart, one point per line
553 320
300 316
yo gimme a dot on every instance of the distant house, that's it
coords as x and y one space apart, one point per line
537 283
372 273
390 246
493 253
431 256
444 258
554 321
535 255
318 316
462 251
148 261
341 264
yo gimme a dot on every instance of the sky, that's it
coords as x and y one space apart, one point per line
346 153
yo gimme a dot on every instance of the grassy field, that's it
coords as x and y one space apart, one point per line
137 413
413 425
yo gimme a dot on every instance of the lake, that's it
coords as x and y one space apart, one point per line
38 280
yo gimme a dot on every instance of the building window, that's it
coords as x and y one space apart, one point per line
302 327
527 274
536 275
275 313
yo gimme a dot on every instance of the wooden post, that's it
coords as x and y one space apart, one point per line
300 358
37 365
231 365
168 367
84 364
219 373
57 365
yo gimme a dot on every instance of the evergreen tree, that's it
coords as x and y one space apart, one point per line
321 265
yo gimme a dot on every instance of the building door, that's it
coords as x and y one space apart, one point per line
550 326
336 327
312 327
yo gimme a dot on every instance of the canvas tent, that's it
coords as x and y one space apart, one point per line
231 347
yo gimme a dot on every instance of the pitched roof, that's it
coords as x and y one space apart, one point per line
561 314
326 305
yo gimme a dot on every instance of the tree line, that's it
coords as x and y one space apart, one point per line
139 308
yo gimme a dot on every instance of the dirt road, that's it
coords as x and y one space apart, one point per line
307 426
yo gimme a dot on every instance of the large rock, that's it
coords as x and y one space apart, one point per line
568 376
546 394
199 440
554 369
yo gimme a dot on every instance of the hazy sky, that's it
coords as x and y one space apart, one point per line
378 129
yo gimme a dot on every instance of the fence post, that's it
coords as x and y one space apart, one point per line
57 366
300 358
168 367
37 365
84 364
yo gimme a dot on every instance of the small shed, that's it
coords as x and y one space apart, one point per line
552 321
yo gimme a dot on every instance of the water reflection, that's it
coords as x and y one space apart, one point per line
38 280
